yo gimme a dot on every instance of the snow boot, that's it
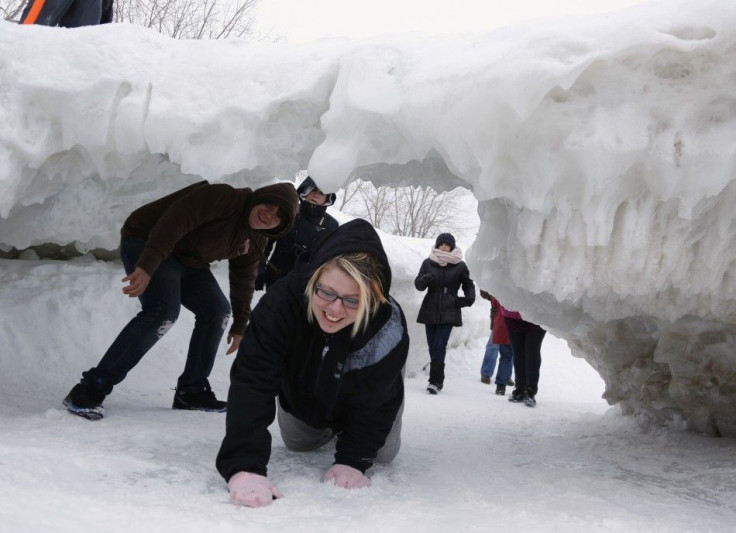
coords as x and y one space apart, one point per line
433 389
203 400
501 390
485 379
517 396
437 374
529 401
85 401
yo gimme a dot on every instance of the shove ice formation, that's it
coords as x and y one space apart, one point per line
600 150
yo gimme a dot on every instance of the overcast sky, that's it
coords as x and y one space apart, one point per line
306 20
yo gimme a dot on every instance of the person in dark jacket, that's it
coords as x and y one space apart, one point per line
108 11
67 13
331 343
442 274
526 342
311 221
166 248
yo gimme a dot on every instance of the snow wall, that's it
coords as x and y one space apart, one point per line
602 152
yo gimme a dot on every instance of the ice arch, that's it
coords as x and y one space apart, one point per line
601 152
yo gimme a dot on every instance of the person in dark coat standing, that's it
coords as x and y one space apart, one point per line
441 275
310 223
330 343
167 247
67 13
526 342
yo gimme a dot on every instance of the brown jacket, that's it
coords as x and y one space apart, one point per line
203 223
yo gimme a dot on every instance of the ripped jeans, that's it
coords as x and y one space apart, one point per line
173 285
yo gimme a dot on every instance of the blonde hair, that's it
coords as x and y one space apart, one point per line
366 271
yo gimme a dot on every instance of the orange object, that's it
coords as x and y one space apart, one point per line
34 12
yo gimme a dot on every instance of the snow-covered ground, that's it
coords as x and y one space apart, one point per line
470 460
601 153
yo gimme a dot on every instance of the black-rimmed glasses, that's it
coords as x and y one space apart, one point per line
329 296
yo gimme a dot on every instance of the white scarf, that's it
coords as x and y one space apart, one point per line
442 258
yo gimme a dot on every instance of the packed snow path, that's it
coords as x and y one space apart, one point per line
470 461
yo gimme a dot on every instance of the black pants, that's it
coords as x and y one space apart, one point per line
527 346
172 286
437 338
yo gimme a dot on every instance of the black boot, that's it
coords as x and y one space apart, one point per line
86 401
201 400
517 396
437 374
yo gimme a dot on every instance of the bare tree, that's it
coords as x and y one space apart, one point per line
347 193
409 211
422 211
11 10
376 204
190 19
181 19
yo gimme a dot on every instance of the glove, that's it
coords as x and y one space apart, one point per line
461 302
428 278
346 477
252 490
485 295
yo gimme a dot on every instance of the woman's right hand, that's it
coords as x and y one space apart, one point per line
252 490
137 282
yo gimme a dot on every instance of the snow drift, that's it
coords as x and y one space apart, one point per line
601 152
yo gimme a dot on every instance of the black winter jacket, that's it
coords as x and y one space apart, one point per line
441 304
355 389
310 223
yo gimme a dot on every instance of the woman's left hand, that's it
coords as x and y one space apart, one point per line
347 477
252 490
233 339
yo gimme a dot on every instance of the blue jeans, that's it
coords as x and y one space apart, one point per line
172 285
505 365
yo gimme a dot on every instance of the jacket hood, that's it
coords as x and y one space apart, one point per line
282 195
355 236
308 185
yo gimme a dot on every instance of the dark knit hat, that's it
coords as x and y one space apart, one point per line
445 238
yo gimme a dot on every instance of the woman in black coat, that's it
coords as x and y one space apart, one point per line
442 274
330 343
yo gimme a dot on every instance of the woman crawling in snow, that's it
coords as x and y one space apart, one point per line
330 343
